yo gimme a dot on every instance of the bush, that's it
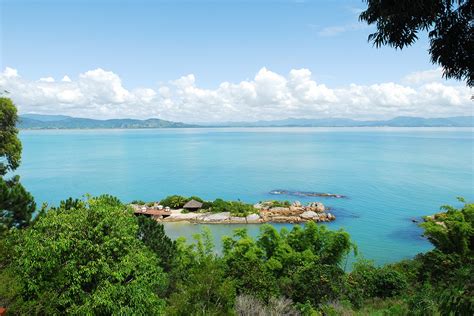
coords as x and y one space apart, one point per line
276 203
199 284
246 305
236 208
367 281
317 283
174 201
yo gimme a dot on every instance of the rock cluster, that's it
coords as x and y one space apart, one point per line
295 213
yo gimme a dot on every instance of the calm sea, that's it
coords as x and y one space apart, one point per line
390 175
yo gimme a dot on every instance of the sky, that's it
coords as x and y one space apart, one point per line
210 61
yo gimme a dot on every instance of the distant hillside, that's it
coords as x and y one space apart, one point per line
401 121
36 121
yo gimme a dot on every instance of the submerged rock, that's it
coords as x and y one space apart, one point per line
302 193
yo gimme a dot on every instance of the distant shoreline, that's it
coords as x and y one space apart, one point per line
58 122
252 127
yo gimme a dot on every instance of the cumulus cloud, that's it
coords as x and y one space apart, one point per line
47 79
424 76
101 94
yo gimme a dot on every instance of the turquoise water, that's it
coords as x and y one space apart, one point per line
389 175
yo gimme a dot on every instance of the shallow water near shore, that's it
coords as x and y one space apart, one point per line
390 175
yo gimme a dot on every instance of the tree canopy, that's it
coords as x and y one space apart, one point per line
93 256
16 204
449 23
10 145
86 260
452 231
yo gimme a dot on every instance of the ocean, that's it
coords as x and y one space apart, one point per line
389 175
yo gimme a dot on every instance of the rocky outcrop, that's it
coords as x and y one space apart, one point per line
316 207
266 212
294 213
253 219
309 215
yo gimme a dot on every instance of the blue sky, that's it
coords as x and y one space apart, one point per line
150 43
147 41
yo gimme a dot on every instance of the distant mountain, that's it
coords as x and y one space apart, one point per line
45 118
36 121
456 121
401 121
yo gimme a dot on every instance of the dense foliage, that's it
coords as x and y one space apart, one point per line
84 260
93 256
16 204
302 264
236 208
449 24
153 235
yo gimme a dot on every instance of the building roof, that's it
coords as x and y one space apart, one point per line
193 204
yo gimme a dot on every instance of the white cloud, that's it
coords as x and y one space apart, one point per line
10 73
100 94
425 76
47 79
66 79
338 29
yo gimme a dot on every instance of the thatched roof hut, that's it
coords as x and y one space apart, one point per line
192 205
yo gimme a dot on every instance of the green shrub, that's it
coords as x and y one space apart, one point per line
174 201
367 281
236 208
276 203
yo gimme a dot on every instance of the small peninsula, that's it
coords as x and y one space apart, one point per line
195 210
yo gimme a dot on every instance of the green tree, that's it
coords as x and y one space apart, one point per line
174 201
449 268
452 231
10 145
449 24
16 204
368 281
154 237
200 285
83 260
303 264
